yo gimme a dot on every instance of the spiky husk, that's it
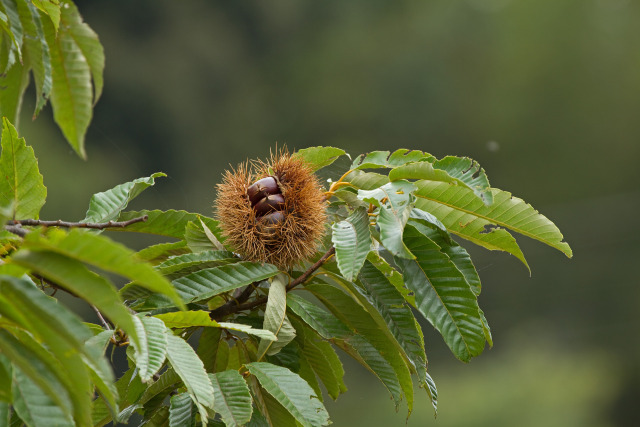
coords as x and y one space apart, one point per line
283 244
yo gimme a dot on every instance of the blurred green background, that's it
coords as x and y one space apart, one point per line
545 94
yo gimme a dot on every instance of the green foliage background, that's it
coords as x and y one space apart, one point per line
544 94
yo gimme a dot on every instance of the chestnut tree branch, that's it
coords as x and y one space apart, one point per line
240 303
66 224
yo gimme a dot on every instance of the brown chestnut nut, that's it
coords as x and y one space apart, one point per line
262 188
273 218
270 224
273 202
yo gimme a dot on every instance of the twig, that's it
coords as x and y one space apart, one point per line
240 303
16 229
108 326
324 258
239 296
118 338
66 224
334 186
53 285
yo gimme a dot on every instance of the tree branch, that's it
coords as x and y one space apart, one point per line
239 303
65 224
16 229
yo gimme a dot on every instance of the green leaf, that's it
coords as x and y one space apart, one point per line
6 373
392 275
319 157
169 223
105 254
433 392
208 346
392 223
485 326
76 55
34 406
234 360
54 317
205 284
22 186
274 413
367 180
421 170
100 368
167 381
470 173
73 276
396 195
457 254
306 373
324 323
258 420
443 295
328 326
323 359
389 302
186 319
481 232
260 333
51 8
107 205
383 159
365 323
350 198
217 244
199 238
40 365
64 334
100 414
156 254
189 367
5 411
13 82
232 398
87 41
36 52
154 349
275 318
181 411
15 26
352 240
425 218
465 215
159 419
395 203
8 43
206 259
292 392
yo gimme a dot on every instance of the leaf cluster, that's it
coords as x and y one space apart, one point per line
213 339
48 41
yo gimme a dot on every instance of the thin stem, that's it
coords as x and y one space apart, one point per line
106 324
335 185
